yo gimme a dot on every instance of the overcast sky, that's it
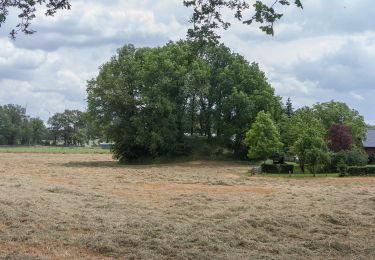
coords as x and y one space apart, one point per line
325 52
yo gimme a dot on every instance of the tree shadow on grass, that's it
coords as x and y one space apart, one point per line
116 164
102 164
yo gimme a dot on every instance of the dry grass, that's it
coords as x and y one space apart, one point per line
86 206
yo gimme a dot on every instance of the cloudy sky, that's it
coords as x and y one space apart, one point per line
325 52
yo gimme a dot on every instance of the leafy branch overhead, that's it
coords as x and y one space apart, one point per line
208 16
27 10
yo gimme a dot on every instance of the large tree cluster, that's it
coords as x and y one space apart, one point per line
325 131
151 101
72 127
322 136
16 127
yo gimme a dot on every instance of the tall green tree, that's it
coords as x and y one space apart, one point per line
39 131
4 126
68 126
289 108
312 150
263 138
291 128
15 121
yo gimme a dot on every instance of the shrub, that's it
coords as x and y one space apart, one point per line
286 168
342 168
356 158
270 168
370 170
182 149
371 158
357 171
350 158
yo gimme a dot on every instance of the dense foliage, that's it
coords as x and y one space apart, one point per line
361 171
340 137
332 112
340 127
263 139
18 128
312 151
150 100
73 127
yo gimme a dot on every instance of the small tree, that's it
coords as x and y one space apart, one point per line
289 108
312 150
263 138
340 137
342 168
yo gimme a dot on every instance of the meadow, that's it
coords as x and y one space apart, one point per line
74 206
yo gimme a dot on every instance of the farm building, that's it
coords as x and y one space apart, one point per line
369 143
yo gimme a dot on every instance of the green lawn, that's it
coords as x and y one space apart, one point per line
54 149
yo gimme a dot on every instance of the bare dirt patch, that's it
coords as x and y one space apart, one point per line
55 206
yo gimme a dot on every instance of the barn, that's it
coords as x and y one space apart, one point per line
369 143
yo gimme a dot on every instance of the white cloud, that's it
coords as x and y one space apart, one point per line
356 96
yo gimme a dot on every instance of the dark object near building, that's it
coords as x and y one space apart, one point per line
369 143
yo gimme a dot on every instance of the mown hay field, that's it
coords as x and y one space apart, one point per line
74 206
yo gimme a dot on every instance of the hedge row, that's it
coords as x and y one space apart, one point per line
275 168
361 171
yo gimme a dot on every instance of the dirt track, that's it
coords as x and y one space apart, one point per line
74 206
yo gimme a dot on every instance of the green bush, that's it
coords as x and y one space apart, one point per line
270 168
357 171
370 170
286 168
361 171
349 157
356 158
342 168
182 149
371 158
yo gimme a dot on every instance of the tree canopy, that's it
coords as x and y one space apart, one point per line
311 150
340 137
340 113
150 99
73 127
263 138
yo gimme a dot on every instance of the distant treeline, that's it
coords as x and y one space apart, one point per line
72 127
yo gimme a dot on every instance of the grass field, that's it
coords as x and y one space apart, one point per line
74 206
53 149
